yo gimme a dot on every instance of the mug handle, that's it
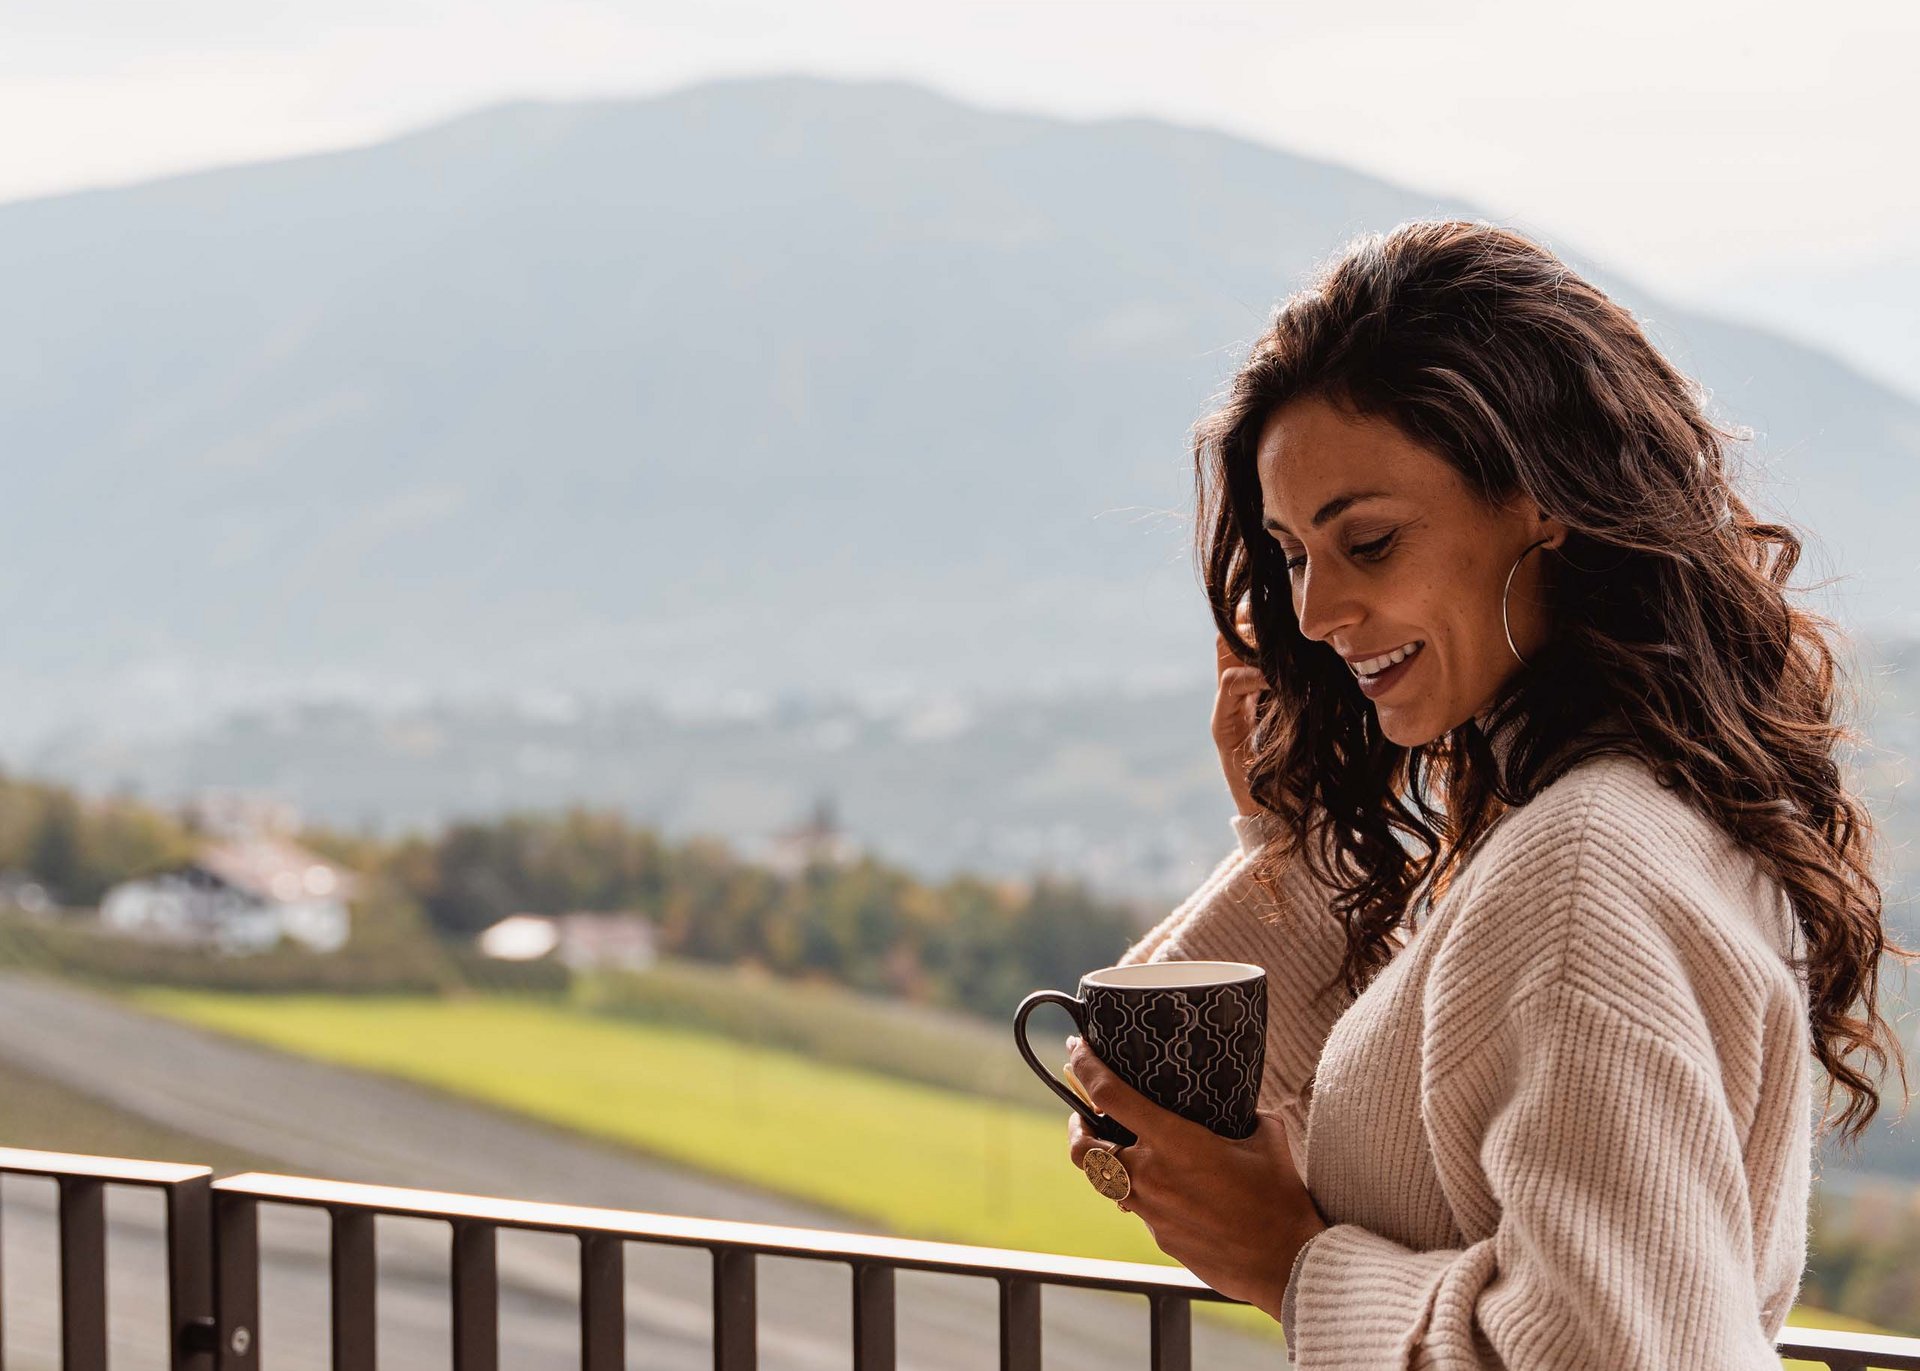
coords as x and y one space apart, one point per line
1104 1126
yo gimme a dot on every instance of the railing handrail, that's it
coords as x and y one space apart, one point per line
1877 1350
22 1161
199 1337
82 1182
771 1240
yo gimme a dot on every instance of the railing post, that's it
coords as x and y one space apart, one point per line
603 1310
476 1297
1172 1332
1019 1324
190 1273
735 1310
236 1281
873 1318
355 1287
83 1274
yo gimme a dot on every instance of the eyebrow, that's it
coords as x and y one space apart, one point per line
1339 504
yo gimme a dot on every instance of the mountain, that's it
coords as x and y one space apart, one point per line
1862 308
766 384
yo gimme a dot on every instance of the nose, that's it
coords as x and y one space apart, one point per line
1324 603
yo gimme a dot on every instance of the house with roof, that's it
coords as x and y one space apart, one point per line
238 896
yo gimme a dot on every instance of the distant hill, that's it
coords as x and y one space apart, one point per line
1863 309
778 382
1123 790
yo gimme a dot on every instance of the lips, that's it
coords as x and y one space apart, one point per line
1374 684
1372 666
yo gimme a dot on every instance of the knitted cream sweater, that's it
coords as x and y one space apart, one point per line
1569 1124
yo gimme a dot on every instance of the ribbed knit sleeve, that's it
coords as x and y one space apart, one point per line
1295 938
1613 1088
1624 1239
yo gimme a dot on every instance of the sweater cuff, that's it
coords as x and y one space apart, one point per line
1256 829
1362 1300
1286 1300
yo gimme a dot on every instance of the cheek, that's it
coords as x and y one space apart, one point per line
1460 620
1462 594
1428 601
1477 643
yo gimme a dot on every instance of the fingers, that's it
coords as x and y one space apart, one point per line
1120 1101
1080 1138
1223 656
1243 680
1236 707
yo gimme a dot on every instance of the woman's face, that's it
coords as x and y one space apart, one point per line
1389 553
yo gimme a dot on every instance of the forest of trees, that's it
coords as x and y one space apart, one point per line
966 942
77 849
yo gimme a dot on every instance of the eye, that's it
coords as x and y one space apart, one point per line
1371 551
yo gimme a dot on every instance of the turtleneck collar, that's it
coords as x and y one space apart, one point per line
1504 735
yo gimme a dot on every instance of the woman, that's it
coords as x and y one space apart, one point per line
1542 842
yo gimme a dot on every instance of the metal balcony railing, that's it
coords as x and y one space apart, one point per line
213 1274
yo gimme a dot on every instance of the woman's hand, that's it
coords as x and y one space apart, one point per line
1234 1213
1236 692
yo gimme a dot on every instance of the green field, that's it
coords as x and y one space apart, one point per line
826 1023
913 1159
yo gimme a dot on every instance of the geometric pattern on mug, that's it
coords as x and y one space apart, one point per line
1197 1050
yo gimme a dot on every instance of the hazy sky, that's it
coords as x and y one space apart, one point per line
1702 147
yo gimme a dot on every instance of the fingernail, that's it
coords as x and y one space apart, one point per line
1073 1044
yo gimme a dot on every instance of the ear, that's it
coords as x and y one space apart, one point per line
1540 525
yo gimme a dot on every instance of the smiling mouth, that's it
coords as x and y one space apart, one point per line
1375 666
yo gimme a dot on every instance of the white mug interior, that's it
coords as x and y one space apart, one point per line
1170 975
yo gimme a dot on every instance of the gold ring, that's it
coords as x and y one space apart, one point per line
1107 1173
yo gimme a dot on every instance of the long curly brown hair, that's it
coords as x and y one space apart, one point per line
1669 602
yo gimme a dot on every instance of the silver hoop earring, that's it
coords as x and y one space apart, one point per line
1503 600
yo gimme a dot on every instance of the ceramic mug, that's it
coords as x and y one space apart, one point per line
1190 1036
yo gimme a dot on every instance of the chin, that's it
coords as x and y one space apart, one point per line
1409 728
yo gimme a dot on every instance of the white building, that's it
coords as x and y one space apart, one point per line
581 940
246 895
816 841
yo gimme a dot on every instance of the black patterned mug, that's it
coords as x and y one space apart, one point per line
1190 1036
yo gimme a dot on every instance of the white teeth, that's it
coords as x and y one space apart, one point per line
1373 666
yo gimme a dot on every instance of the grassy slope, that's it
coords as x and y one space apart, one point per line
39 1113
827 1023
